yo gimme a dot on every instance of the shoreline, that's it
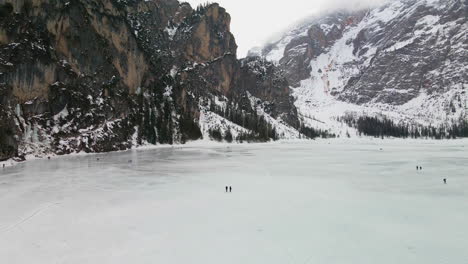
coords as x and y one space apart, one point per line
211 143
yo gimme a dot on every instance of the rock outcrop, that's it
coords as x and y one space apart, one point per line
299 47
96 76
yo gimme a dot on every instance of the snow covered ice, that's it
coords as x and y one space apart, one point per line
335 201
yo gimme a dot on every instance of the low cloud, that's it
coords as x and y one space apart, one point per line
326 6
350 4
255 22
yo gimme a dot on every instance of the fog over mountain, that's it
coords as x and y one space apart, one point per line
255 22
404 60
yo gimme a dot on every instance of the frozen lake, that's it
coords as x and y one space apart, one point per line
299 203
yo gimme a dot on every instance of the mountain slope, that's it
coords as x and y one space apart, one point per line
96 76
405 61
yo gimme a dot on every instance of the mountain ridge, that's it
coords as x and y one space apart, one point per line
98 76
395 61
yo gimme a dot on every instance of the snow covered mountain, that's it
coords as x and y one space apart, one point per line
106 75
99 76
405 62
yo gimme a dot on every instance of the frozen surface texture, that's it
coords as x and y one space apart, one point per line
323 202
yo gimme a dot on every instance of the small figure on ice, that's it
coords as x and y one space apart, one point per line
445 181
230 188
226 189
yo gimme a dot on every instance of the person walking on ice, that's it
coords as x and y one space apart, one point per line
230 188
226 189
445 181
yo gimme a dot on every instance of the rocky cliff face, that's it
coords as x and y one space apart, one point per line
94 76
300 46
405 61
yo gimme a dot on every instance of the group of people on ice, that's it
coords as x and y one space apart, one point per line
420 168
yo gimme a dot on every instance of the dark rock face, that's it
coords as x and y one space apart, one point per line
308 41
419 50
265 81
96 76
209 37
8 142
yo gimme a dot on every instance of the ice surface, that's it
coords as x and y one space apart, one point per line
321 202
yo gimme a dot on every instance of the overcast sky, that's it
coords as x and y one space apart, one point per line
256 21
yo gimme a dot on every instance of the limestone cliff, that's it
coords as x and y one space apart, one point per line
95 76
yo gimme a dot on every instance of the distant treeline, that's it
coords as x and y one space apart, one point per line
315 133
261 129
384 127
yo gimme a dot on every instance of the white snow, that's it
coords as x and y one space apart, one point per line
210 120
171 31
135 137
326 28
213 121
168 92
277 53
283 130
174 71
322 202
332 70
